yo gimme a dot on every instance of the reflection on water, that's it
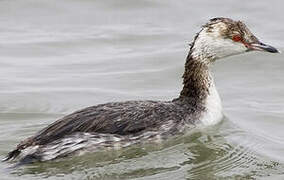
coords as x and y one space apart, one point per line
59 56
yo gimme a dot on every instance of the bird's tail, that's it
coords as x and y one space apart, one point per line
15 153
12 155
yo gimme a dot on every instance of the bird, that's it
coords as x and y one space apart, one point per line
117 125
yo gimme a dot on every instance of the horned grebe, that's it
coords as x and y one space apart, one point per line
120 124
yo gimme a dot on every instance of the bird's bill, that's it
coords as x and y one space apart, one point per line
263 47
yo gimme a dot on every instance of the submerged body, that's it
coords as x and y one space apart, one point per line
120 124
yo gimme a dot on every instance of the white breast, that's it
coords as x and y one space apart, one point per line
213 105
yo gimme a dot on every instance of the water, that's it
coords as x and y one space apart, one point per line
60 56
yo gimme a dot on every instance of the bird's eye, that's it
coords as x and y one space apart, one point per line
237 38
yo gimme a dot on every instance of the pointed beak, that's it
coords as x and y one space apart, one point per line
263 47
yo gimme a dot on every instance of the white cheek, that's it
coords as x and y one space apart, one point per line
213 46
227 47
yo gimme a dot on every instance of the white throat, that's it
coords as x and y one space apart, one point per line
213 105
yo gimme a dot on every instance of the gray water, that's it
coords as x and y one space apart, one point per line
58 56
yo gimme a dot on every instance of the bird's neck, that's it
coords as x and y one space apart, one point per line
199 91
196 79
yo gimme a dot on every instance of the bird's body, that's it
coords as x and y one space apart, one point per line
112 125
120 124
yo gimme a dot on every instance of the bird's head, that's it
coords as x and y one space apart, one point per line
222 37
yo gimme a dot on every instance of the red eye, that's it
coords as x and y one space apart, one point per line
237 38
